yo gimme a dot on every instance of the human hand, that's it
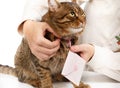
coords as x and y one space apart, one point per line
86 51
41 47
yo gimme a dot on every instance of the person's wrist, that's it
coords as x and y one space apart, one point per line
27 26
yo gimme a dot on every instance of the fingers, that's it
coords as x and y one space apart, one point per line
86 51
76 48
45 53
41 47
48 44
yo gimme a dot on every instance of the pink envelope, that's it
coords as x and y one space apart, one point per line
73 68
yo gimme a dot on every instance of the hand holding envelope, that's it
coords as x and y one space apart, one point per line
73 68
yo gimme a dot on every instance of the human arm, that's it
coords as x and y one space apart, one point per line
33 30
100 31
86 51
33 10
100 59
106 62
42 48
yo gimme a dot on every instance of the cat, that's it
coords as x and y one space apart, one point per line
68 20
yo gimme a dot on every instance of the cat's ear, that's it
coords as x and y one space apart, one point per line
82 1
53 5
79 1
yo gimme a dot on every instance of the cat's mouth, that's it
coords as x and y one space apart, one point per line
69 40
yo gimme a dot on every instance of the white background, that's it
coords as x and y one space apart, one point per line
10 16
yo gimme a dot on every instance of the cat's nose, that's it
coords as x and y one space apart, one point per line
82 20
80 25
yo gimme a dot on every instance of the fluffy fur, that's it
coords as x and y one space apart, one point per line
68 20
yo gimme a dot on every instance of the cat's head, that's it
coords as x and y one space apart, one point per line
66 17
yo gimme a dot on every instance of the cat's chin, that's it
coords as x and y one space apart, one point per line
75 30
72 31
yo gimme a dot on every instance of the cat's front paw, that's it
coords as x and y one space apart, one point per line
82 85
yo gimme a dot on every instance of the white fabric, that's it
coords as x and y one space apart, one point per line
103 24
8 81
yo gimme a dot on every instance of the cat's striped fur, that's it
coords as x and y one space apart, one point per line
64 19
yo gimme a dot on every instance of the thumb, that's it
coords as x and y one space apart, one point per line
49 29
75 48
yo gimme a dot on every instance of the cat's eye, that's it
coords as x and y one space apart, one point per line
72 14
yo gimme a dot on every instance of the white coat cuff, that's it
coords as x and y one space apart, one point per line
98 60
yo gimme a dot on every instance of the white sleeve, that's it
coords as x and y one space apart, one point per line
106 62
33 10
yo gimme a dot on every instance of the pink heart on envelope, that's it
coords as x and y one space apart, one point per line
73 67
